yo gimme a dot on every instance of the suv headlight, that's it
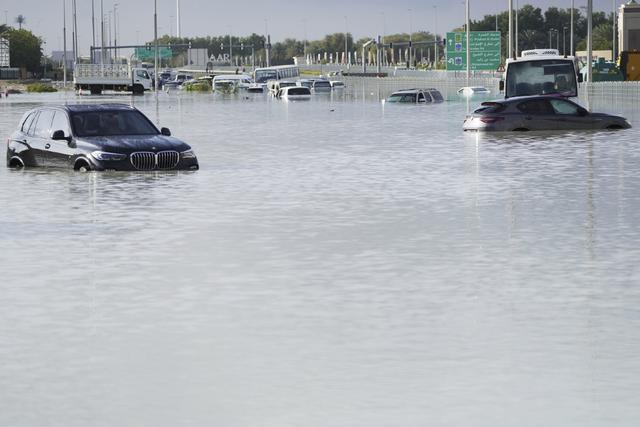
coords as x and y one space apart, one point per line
105 156
188 154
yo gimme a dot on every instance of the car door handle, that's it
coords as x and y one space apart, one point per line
47 146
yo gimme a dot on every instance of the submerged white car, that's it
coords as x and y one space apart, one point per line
294 93
471 91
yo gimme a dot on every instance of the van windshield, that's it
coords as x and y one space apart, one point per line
262 76
110 123
541 77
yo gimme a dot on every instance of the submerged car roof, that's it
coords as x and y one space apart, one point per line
415 90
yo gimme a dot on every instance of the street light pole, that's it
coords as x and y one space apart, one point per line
410 36
510 44
571 38
589 40
93 30
435 36
155 41
564 41
613 40
64 43
517 44
346 47
102 58
468 42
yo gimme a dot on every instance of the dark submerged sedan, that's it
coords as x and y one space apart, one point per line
538 112
96 137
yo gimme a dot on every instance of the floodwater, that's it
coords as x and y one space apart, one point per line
334 263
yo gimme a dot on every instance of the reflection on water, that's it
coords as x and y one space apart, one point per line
337 262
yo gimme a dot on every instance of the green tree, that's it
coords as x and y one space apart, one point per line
25 49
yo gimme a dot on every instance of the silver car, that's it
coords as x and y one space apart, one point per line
530 113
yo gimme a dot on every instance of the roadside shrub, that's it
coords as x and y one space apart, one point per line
40 88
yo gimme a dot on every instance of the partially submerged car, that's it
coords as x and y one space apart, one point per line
96 137
539 112
416 96
294 93
474 91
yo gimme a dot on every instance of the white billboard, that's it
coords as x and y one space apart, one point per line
4 53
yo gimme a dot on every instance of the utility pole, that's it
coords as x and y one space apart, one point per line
468 42
510 53
64 42
517 44
93 31
571 37
115 31
155 41
73 32
102 58
589 40
346 30
410 37
613 39
435 36
179 34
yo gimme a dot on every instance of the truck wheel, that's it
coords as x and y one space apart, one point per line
138 89
95 90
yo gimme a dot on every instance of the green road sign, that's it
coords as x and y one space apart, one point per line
485 51
145 54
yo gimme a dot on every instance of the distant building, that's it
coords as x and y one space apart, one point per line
57 56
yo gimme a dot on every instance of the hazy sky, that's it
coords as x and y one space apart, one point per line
286 18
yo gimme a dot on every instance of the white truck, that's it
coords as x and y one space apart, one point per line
118 77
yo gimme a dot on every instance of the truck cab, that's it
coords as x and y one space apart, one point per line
541 72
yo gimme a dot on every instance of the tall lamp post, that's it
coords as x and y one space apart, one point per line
435 36
346 46
613 40
564 41
410 37
571 38
155 42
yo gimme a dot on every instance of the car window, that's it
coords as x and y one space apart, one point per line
564 107
32 126
427 97
536 106
437 96
27 122
43 124
109 123
60 122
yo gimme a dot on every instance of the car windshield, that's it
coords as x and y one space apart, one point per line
402 98
322 83
541 77
110 123
437 96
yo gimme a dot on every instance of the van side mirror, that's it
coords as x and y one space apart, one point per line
165 131
58 135
501 85
580 78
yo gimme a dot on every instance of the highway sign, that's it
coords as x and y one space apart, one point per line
485 51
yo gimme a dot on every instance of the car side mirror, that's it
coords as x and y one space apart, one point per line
501 85
165 131
58 135
583 112
580 78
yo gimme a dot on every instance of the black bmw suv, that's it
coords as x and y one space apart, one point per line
96 137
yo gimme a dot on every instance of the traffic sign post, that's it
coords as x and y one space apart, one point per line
485 51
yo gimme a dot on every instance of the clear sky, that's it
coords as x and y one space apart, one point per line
284 18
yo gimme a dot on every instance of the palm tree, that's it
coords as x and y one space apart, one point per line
20 19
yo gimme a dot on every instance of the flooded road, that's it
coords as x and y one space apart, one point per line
333 263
